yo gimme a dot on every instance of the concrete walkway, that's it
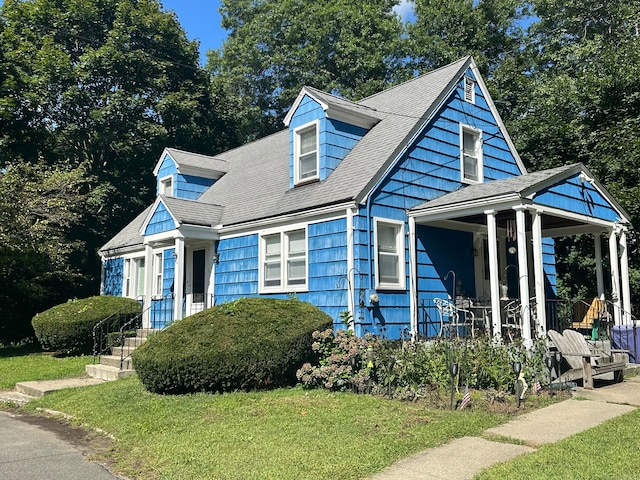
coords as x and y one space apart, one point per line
546 425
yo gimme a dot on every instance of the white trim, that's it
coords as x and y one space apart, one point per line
401 284
351 291
297 132
343 114
413 280
157 272
478 154
162 186
283 286
494 274
132 260
624 277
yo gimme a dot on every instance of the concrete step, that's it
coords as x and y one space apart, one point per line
107 372
145 332
134 342
114 361
38 388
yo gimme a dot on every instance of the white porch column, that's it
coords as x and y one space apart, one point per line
598 256
624 273
494 275
413 278
178 279
523 276
615 276
538 266
148 286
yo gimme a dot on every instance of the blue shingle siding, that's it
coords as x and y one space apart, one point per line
191 187
236 274
113 271
167 168
575 196
161 221
336 138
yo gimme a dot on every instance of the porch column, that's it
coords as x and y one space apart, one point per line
598 256
413 278
538 266
624 272
615 276
523 276
148 286
494 275
178 279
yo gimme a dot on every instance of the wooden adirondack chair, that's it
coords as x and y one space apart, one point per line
586 363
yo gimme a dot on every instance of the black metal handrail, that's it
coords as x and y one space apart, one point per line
103 328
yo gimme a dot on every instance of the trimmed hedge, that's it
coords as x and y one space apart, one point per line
68 327
248 344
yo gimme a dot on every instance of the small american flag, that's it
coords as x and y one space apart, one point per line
466 399
537 388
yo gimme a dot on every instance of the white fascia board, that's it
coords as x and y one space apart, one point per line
448 212
595 223
308 216
157 202
496 115
296 104
120 251
198 232
359 119
163 237
156 169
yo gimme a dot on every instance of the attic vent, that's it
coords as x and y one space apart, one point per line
469 90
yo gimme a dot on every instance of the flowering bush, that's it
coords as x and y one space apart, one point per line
346 362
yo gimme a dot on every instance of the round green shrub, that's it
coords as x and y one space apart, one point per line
248 344
68 327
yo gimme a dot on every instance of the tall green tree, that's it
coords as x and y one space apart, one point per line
582 103
101 87
349 47
443 32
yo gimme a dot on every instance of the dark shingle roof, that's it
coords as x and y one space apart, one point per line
518 185
257 185
198 161
129 236
193 212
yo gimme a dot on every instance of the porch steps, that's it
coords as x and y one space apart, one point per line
109 367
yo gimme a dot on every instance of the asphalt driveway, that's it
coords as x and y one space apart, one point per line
40 448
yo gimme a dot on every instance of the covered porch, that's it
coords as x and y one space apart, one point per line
483 256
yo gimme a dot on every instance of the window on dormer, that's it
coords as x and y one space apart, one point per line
166 186
471 155
306 153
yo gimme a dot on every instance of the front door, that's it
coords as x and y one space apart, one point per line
196 298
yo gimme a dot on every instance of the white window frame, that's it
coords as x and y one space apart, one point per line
478 155
158 273
132 277
401 284
166 186
297 154
469 89
285 284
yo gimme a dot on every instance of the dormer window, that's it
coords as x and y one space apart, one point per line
306 165
166 186
471 155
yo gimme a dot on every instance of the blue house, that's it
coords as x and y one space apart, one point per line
370 210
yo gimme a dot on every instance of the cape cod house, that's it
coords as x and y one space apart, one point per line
375 211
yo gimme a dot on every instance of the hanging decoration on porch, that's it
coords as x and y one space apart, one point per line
511 230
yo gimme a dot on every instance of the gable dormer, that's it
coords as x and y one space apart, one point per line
186 175
322 131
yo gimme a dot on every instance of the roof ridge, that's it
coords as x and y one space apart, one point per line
414 79
194 153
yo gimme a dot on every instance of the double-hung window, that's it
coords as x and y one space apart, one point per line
306 156
471 154
166 186
284 261
389 247
158 268
133 277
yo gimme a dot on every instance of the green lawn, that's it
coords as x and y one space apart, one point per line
283 434
20 364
